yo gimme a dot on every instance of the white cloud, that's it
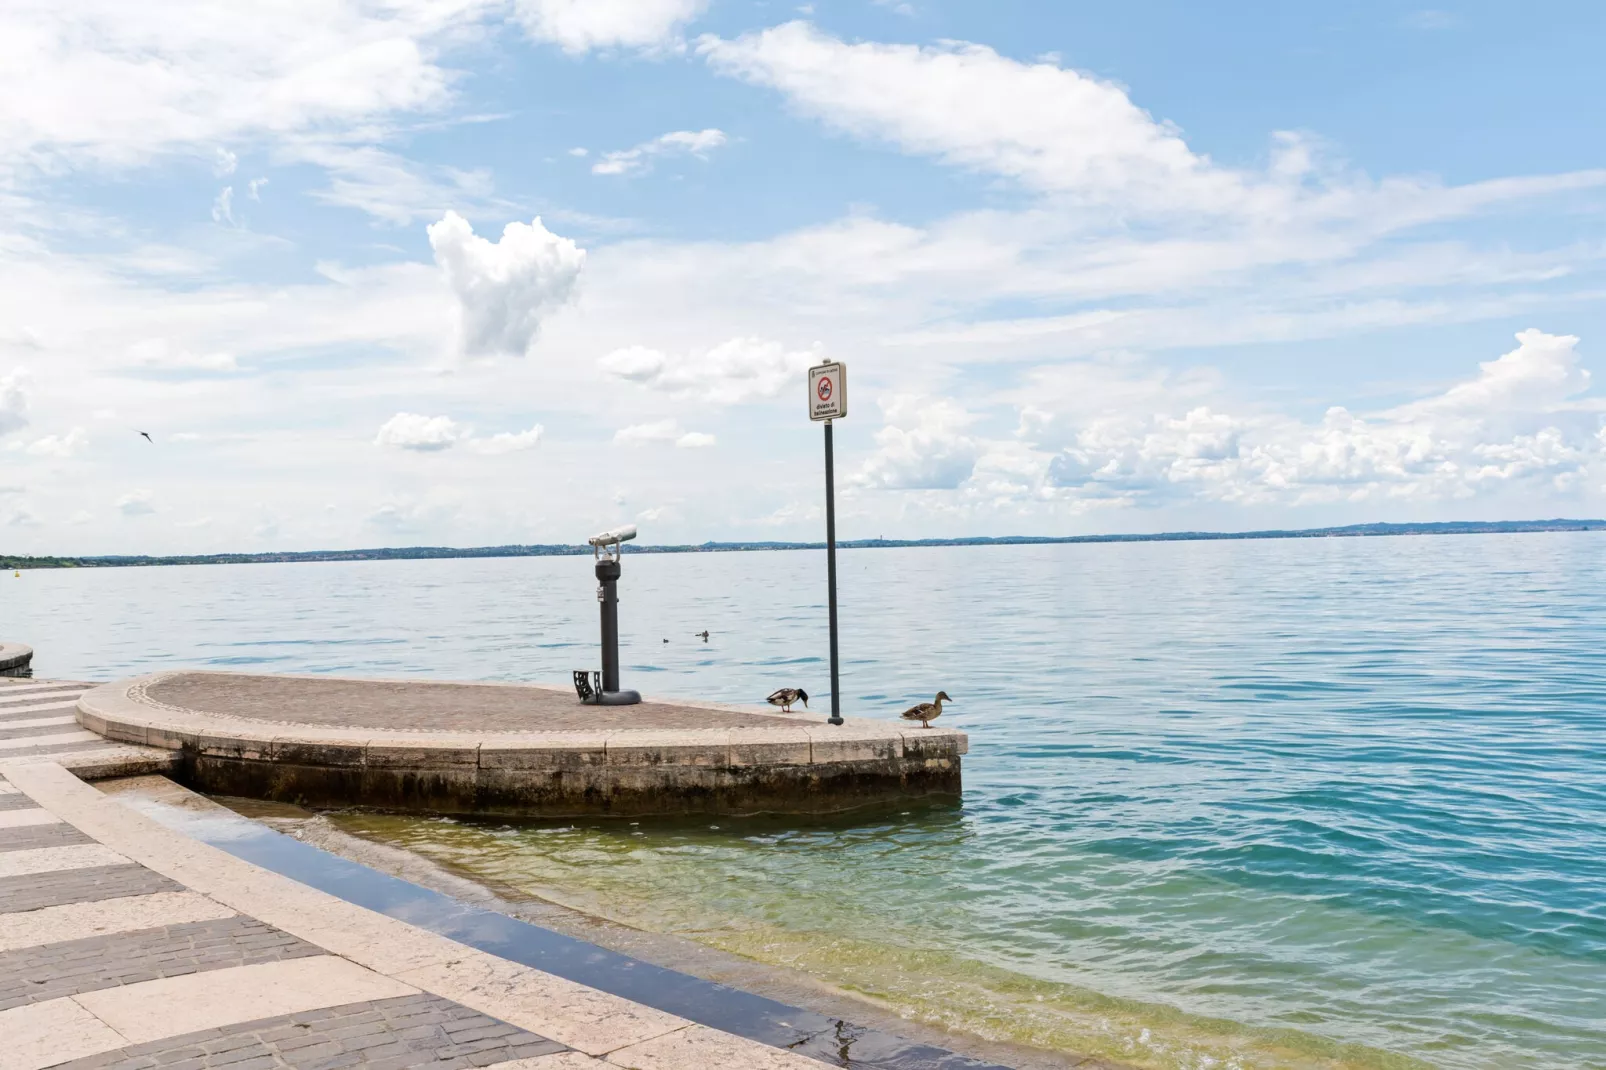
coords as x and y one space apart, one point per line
22 517
507 441
253 188
13 401
160 355
1052 129
1518 420
70 444
136 503
223 206
737 371
504 290
578 26
924 445
102 82
425 434
225 164
1069 134
662 431
638 160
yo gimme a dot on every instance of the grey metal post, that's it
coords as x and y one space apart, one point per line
608 595
830 569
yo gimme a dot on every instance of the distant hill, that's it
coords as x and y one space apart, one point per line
405 553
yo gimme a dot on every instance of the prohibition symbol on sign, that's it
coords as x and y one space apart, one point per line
828 391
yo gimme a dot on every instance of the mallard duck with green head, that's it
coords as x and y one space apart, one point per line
926 712
786 696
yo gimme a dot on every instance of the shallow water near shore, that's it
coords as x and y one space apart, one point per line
1325 803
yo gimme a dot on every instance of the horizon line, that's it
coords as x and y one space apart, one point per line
1379 528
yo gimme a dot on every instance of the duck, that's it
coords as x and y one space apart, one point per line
786 696
703 635
926 712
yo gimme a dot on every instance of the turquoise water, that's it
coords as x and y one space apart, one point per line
1313 802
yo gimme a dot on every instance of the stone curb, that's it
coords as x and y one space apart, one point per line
15 656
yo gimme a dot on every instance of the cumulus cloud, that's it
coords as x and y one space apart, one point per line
506 289
638 160
507 441
737 371
423 434
13 401
70 444
136 503
579 26
662 432
924 444
1518 420
432 434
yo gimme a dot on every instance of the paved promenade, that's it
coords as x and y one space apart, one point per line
39 722
127 946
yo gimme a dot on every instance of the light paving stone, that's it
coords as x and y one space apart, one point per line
8 789
16 819
34 837
700 1048
583 1018
33 891
17 709
80 736
77 921
174 1005
44 1034
9 723
9 692
563 1060
47 859
74 967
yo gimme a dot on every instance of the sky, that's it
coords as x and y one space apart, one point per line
466 272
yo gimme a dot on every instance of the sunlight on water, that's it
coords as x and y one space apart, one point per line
1308 803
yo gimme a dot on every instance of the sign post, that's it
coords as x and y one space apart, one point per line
828 400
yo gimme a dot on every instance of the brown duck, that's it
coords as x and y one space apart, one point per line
927 712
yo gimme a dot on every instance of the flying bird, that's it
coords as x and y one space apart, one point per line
786 696
926 712
147 436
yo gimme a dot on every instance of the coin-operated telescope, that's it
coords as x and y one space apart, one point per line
602 689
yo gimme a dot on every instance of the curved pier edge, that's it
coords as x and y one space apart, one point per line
799 767
15 658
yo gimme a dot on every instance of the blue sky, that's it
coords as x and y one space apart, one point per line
1093 267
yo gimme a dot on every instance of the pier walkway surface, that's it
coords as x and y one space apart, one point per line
125 945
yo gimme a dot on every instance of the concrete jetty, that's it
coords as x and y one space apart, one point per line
15 659
509 749
125 945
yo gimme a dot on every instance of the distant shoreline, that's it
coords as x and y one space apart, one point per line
415 553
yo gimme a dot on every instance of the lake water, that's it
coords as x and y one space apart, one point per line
1306 803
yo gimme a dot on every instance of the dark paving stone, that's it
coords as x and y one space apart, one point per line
386 1034
16 801
30 837
32 974
90 885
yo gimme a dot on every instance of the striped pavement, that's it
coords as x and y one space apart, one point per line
39 722
128 946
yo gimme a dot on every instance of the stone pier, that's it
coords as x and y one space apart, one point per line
510 749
